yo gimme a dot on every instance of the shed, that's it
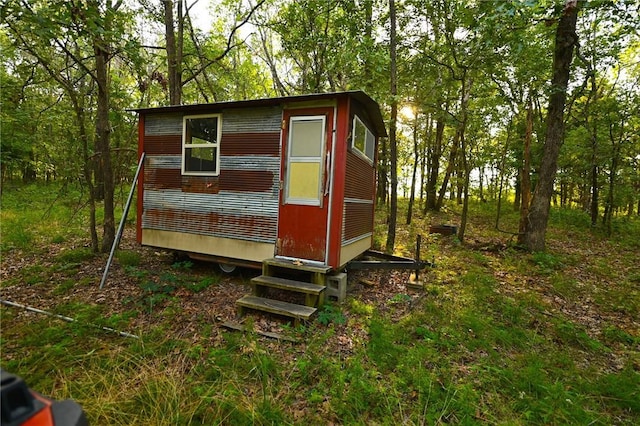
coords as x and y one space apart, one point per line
244 181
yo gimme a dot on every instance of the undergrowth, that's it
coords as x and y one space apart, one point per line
497 336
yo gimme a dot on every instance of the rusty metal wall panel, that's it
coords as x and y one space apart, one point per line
242 202
163 144
250 144
162 161
251 216
358 219
211 224
246 180
156 178
360 178
252 120
162 124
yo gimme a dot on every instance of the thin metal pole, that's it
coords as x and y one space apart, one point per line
116 241
63 318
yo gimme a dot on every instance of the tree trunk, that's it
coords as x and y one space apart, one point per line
393 214
452 161
434 166
423 160
465 163
566 38
416 160
103 131
525 173
172 54
610 203
594 158
465 204
79 109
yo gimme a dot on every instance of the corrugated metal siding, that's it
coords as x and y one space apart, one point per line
250 144
163 124
358 220
241 203
163 144
253 120
360 178
359 194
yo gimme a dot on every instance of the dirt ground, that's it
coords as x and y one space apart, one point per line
213 305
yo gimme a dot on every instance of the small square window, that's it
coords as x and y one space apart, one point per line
201 145
362 140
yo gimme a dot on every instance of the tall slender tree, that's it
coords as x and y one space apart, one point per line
393 147
565 42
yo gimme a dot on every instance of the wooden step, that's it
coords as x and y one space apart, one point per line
297 265
278 307
286 284
314 293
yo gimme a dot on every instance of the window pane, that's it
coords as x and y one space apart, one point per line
200 159
306 138
371 145
304 181
363 140
202 130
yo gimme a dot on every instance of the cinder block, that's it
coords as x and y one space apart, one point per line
337 286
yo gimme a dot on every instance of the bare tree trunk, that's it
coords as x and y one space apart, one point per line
525 179
393 149
434 166
610 202
594 158
416 160
423 159
79 109
450 166
465 204
103 131
465 166
566 39
172 54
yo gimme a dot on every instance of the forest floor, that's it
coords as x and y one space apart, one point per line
495 335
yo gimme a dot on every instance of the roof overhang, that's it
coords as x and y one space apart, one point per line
371 106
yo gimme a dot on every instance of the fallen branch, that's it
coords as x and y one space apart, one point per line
64 318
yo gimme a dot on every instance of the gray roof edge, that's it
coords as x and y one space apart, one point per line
371 105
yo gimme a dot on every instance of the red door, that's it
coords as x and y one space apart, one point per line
304 194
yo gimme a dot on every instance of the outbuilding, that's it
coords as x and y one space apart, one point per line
241 182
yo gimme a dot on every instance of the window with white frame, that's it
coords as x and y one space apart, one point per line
362 140
201 144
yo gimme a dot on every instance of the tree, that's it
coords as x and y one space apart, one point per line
393 149
73 42
565 41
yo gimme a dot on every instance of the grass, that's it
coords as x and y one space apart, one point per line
499 336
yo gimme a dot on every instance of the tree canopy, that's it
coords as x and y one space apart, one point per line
477 79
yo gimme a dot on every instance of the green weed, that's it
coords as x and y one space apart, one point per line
74 256
331 314
17 235
546 262
128 258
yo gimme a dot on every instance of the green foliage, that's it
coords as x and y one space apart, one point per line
547 262
203 284
128 258
331 314
184 265
74 256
